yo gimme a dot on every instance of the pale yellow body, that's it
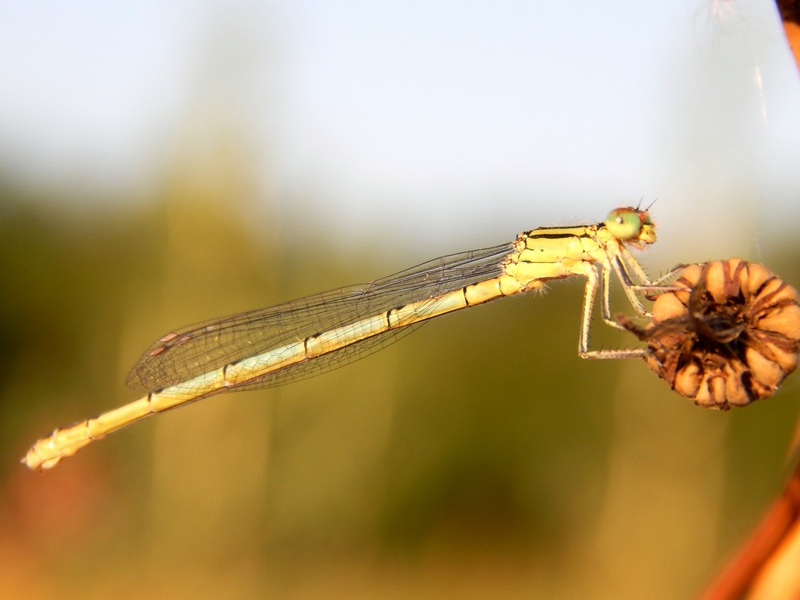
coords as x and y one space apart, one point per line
538 256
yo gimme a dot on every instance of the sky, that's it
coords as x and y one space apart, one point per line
450 121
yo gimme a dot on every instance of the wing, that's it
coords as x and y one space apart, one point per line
187 353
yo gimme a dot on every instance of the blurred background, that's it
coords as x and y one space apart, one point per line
162 164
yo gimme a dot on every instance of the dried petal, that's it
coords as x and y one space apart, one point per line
719 283
785 321
756 275
734 389
687 380
769 374
670 308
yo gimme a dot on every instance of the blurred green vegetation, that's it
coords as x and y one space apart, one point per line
478 456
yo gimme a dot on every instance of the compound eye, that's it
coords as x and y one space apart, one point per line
624 223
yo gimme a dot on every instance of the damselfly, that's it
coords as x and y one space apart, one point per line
298 339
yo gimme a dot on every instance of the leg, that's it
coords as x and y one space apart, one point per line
649 289
588 305
645 285
627 285
586 318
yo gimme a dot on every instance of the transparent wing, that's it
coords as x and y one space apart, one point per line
187 353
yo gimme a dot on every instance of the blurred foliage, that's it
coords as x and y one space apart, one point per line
478 456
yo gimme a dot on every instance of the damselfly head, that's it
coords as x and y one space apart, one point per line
632 225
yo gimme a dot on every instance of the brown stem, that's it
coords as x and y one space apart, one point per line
737 577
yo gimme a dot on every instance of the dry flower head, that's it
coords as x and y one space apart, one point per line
729 337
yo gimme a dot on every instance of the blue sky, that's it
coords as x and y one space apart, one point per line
453 121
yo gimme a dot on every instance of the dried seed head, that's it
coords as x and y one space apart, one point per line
729 337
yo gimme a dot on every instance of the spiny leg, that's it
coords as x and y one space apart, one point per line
588 306
633 264
624 261
605 305
645 285
618 267
620 264
659 286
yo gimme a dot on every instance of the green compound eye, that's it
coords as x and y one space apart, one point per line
624 223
